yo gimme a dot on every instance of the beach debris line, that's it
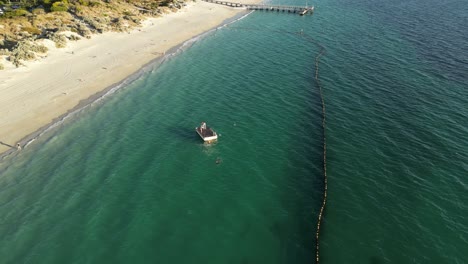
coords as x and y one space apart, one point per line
206 133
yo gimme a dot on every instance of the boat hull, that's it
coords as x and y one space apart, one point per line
208 135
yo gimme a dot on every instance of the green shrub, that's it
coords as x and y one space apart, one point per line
21 52
59 39
32 30
4 52
16 13
165 3
74 38
39 48
50 2
25 50
38 11
94 3
84 2
59 7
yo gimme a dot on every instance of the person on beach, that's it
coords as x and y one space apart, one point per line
18 146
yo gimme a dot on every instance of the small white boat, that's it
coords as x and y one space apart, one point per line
206 133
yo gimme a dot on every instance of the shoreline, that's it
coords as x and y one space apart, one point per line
225 16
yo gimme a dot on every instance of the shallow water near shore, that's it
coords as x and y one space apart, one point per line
128 179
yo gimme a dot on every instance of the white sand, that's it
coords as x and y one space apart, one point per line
31 97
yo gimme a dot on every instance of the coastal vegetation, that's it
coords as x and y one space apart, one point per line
25 24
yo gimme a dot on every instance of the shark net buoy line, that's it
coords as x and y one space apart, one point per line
324 141
321 52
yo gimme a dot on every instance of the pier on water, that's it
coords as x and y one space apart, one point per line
301 10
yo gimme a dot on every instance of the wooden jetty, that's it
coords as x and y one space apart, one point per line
301 10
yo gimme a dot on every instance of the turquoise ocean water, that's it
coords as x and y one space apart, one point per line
127 179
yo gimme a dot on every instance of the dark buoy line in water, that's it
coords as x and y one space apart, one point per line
322 51
325 184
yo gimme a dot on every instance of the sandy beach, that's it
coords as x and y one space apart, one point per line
33 96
